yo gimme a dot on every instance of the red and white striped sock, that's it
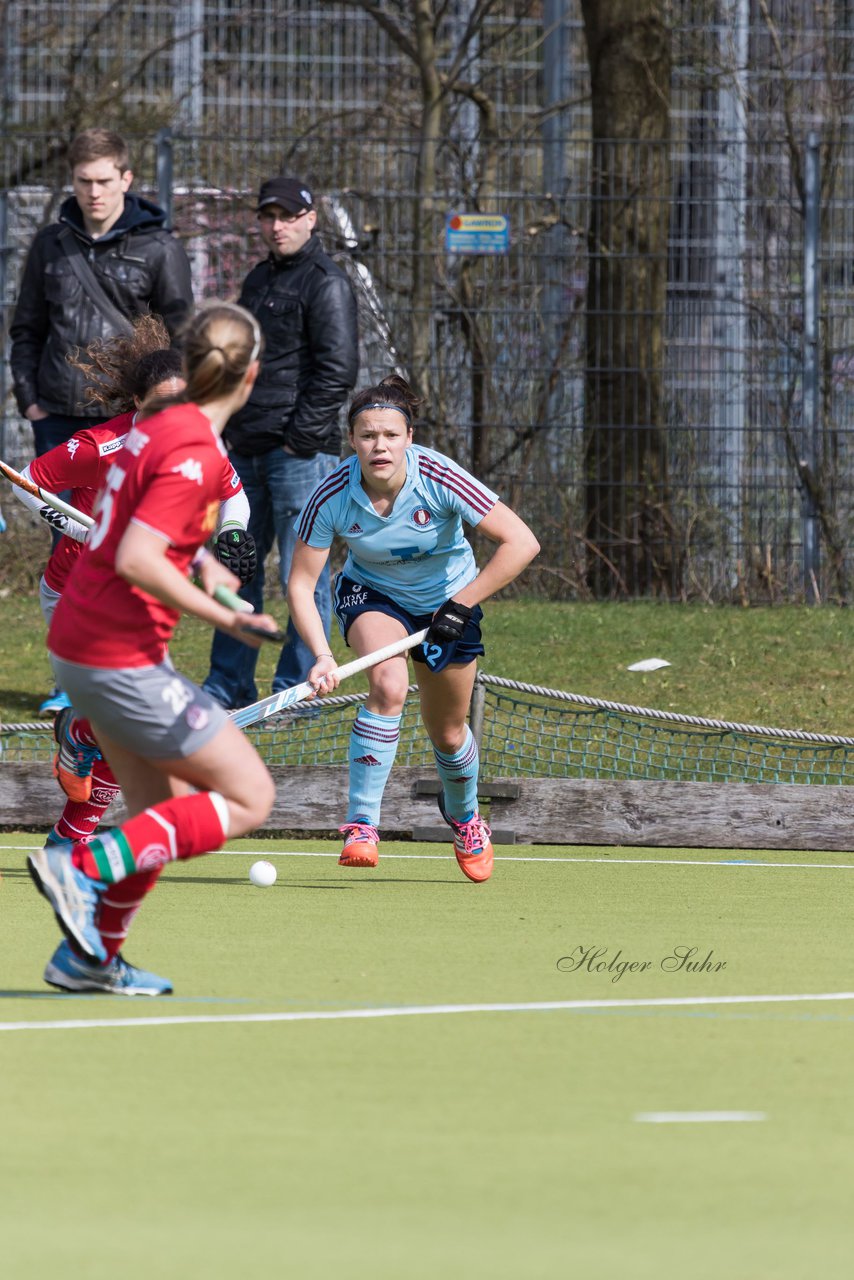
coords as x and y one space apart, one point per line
78 822
183 827
118 906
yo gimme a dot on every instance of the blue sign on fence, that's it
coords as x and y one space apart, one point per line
477 233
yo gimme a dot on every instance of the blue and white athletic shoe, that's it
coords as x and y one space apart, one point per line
73 896
53 841
55 702
70 972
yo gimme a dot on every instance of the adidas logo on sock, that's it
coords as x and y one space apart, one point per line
366 760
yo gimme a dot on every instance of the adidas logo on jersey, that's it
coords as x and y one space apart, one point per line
355 528
366 760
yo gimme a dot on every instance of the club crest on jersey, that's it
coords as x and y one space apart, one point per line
421 517
197 717
72 445
190 469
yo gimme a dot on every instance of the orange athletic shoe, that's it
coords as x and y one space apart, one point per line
471 845
72 764
361 845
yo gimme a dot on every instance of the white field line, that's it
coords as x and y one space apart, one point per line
697 1117
418 1011
731 863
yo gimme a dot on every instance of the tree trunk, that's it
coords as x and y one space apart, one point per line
628 522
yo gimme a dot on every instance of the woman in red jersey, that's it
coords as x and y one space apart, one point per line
123 373
189 777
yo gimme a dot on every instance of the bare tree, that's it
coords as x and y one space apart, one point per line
627 500
443 75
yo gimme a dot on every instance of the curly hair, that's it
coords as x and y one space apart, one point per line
110 365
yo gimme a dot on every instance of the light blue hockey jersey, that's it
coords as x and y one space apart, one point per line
417 554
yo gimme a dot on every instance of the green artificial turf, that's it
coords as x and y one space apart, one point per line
450 1144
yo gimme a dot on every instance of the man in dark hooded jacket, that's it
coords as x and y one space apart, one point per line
137 263
109 259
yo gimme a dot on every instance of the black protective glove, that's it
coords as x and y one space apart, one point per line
235 548
449 622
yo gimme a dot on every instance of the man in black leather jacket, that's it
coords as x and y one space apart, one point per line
138 265
287 437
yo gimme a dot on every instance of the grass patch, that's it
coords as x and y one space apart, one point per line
787 666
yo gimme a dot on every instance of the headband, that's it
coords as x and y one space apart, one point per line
399 408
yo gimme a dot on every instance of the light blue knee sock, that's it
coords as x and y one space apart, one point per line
458 774
373 746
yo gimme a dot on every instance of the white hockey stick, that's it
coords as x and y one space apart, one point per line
221 594
289 697
49 499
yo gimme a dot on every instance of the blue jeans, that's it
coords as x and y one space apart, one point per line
277 485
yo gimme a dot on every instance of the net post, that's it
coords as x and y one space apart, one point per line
477 708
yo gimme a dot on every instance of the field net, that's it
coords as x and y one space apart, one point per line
526 730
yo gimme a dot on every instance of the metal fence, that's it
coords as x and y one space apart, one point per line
727 427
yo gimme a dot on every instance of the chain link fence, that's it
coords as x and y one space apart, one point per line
693 443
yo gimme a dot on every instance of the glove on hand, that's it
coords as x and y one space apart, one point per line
449 622
235 548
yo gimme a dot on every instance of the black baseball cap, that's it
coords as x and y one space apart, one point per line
293 195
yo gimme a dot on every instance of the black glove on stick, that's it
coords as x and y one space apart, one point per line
449 622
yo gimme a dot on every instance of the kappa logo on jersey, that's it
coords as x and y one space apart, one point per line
355 527
421 517
135 441
72 445
190 469
111 446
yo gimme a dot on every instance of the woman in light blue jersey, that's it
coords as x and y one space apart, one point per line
400 508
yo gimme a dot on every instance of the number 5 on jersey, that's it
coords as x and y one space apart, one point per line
103 510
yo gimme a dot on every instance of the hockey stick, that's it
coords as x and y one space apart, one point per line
225 596
49 499
221 594
289 697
